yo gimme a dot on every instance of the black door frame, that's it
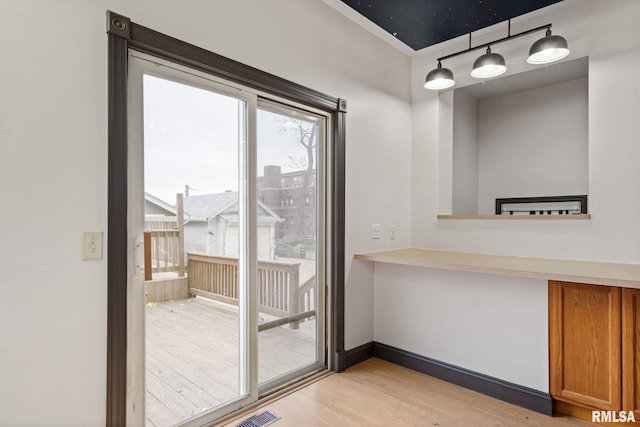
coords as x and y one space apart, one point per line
124 35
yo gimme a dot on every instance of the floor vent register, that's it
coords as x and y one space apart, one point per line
261 419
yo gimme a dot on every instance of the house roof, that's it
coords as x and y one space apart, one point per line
169 210
206 206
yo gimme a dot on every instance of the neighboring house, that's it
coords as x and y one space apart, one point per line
213 225
160 215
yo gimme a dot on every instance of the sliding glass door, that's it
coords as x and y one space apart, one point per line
290 146
226 224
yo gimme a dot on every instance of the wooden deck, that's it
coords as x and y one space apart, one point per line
192 356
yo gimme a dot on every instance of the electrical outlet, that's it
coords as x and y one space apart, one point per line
376 231
92 245
393 231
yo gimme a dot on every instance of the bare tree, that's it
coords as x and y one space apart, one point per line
305 133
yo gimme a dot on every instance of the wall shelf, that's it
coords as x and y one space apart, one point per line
518 217
595 273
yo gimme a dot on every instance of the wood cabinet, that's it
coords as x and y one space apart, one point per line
631 350
585 345
594 348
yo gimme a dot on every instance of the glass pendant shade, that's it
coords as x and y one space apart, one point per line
488 65
439 78
548 49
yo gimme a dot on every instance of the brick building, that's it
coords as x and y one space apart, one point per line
292 196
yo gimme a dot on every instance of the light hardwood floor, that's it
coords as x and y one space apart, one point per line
379 393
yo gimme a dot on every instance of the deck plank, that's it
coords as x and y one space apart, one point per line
192 356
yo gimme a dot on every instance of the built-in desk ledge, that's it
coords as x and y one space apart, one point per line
517 217
596 273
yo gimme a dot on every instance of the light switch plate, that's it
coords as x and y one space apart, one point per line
92 245
393 232
376 231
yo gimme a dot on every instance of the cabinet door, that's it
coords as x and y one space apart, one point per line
584 345
631 351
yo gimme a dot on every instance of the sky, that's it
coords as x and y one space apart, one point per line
191 137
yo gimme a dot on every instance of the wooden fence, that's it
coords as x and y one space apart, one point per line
279 291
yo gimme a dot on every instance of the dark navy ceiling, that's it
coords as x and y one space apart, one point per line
422 23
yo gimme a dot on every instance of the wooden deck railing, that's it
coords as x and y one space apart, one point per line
164 250
279 291
164 242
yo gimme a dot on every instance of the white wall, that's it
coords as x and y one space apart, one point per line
533 143
53 177
465 148
466 319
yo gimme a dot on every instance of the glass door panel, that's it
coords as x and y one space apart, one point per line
194 219
290 334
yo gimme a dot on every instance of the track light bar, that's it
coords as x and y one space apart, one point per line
547 49
504 39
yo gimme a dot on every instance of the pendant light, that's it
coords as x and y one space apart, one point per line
548 49
439 78
488 65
